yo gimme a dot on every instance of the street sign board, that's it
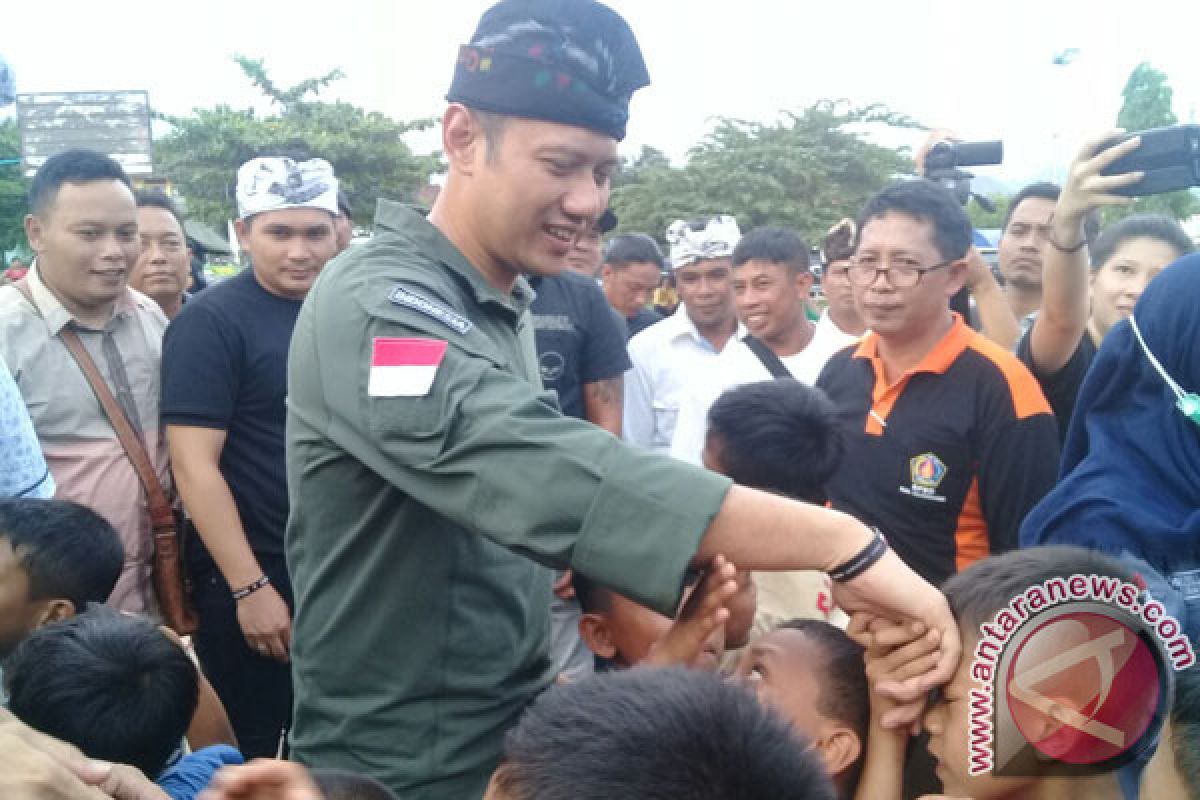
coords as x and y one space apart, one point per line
114 123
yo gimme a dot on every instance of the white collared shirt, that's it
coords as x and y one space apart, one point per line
669 359
738 365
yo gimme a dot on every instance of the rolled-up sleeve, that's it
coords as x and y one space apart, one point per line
484 449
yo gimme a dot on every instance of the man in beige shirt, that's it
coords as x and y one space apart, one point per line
83 228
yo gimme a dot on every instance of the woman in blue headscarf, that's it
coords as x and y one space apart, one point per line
1130 482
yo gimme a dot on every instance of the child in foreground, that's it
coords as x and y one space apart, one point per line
975 596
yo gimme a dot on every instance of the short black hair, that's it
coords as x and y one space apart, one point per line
343 203
153 198
1185 728
71 166
1043 190
337 784
779 436
111 684
593 598
1140 226
927 201
648 732
68 550
978 592
776 245
843 682
632 248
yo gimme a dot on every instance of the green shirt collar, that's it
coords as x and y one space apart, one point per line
411 223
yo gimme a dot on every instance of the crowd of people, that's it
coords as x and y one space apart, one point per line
474 508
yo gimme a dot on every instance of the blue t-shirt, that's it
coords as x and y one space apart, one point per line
580 339
190 775
225 366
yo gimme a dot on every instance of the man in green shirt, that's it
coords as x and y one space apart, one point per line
434 485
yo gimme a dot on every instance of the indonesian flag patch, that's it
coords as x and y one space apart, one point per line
404 367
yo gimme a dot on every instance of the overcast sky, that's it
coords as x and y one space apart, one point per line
984 69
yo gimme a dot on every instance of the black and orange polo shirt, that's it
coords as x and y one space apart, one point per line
948 459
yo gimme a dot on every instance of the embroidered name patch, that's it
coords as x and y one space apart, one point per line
452 320
404 367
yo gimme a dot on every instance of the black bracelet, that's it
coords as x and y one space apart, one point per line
1054 243
249 589
866 558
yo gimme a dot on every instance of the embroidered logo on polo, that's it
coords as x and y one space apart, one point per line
423 305
926 473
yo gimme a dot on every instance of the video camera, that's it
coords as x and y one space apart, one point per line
943 160
1169 157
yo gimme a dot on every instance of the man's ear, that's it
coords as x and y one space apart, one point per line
463 139
54 610
34 231
242 228
956 274
606 272
594 630
840 748
804 283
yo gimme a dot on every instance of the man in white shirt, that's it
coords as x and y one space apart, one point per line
670 357
771 282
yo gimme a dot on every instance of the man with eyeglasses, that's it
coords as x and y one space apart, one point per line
949 439
164 268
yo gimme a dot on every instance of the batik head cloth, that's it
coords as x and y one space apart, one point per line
699 239
274 183
575 62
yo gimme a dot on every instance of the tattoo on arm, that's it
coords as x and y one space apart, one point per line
604 402
606 392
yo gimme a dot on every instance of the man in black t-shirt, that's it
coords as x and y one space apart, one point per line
581 348
224 384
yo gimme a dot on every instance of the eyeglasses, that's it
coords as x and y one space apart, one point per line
902 273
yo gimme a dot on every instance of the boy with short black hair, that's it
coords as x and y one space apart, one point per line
56 557
111 684
779 436
655 733
976 595
812 673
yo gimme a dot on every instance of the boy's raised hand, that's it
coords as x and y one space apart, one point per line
890 589
703 613
896 655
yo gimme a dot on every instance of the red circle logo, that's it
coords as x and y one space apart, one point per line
1083 688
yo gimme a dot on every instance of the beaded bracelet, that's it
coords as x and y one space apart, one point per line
249 589
866 558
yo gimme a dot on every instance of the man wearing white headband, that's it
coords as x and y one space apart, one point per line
671 356
224 381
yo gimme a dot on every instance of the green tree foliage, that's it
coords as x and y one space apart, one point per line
806 172
202 152
981 218
1148 105
12 190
